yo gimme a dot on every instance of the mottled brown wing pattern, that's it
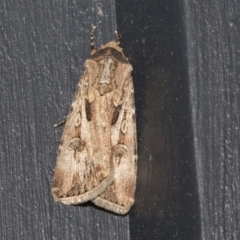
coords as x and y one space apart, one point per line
83 166
97 155
119 196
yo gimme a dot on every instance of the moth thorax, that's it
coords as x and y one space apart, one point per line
106 73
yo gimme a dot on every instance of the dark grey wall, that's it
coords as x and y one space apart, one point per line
167 197
43 45
186 59
213 33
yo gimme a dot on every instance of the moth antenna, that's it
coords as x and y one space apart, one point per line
92 38
60 123
117 38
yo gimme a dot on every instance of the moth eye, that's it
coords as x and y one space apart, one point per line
78 120
88 110
124 126
116 114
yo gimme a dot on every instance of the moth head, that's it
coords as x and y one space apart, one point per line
112 44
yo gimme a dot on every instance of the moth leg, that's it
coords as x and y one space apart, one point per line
92 38
117 37
60 123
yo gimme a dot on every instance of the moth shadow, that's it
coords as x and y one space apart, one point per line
93 206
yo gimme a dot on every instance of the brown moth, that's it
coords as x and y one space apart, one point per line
97 155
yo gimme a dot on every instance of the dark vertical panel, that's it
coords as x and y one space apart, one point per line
213 35
152 34
43 45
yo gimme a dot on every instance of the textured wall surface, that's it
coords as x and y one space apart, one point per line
213 35
167 198
43 48
186 58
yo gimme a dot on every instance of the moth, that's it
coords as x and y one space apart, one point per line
97 157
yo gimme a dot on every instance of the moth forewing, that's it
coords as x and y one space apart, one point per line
84 168
119 196
97 154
